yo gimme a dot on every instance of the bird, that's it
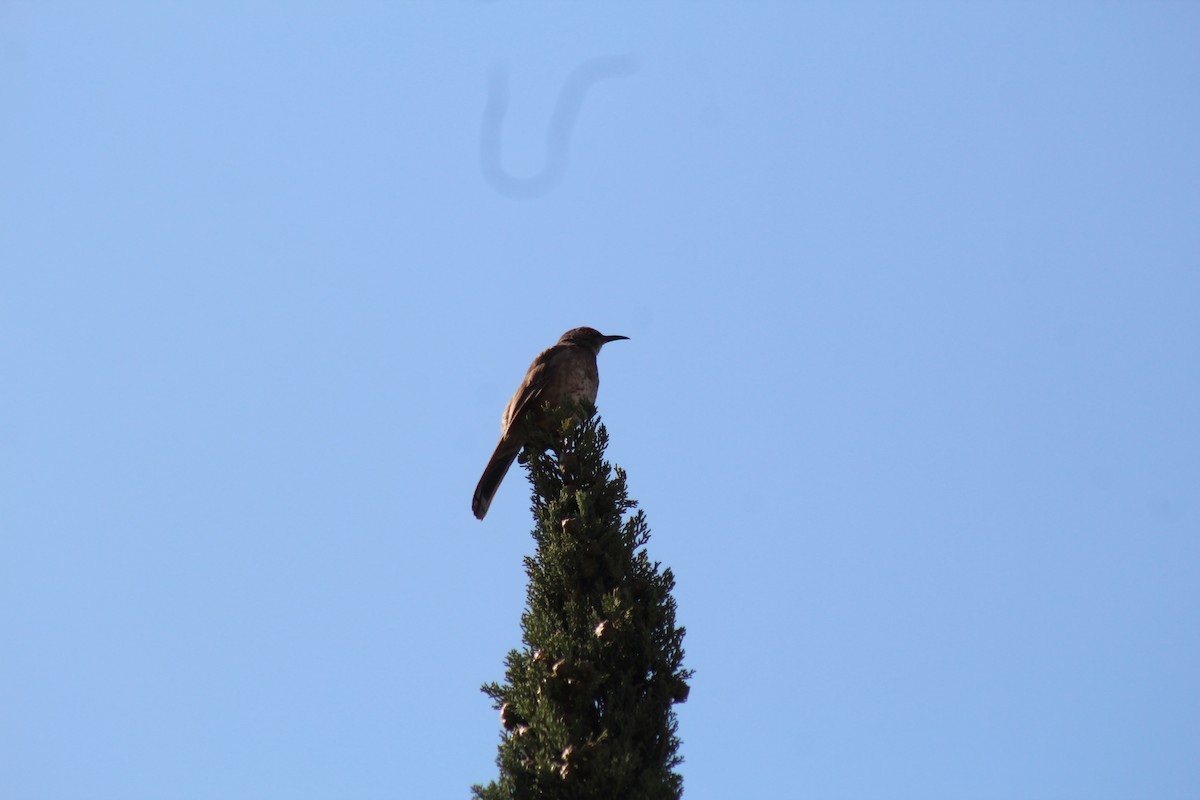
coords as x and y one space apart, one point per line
564 371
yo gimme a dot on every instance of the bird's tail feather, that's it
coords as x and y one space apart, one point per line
493 474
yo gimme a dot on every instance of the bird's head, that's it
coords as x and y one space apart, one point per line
587 337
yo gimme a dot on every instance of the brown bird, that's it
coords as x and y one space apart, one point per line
566 370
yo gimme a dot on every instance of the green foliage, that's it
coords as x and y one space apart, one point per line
586 705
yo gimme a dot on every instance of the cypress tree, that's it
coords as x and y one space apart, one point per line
586 705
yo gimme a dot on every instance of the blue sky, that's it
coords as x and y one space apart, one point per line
910 396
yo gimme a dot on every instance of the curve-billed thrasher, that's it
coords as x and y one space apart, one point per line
566 370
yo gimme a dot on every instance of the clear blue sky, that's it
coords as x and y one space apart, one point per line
912 393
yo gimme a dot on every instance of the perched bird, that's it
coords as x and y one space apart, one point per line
566 370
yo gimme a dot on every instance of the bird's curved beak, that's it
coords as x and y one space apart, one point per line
608 339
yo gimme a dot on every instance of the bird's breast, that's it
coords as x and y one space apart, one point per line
577 379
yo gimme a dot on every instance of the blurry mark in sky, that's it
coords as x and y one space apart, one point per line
558 138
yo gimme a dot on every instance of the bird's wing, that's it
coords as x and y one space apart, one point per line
529 393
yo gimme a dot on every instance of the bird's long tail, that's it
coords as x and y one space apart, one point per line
493 474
